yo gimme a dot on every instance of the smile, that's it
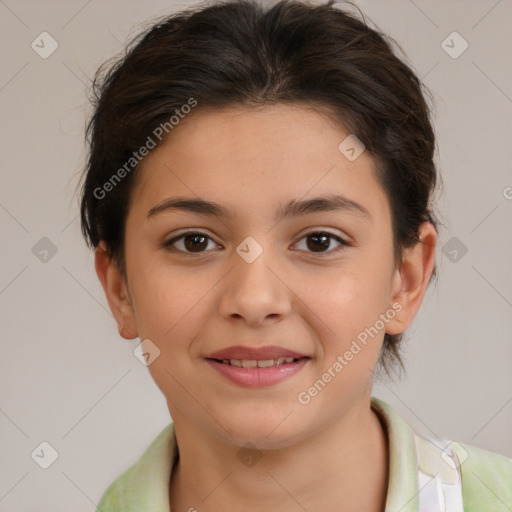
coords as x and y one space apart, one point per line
254 373
260 363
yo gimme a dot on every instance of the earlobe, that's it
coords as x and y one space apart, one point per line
410 281
116 292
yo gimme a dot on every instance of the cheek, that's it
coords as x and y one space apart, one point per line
169 299
172 308
336 303
344 301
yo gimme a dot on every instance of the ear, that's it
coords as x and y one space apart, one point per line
117 292
411 279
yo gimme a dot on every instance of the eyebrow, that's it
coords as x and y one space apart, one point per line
292 209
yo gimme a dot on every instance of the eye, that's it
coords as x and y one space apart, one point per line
190 242
317 241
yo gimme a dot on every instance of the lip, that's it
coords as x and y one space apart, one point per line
258 377
255 353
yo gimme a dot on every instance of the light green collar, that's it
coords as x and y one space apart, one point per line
144 487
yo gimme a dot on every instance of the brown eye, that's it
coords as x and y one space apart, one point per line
190 242
319 241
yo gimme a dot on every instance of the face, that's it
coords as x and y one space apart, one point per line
311 281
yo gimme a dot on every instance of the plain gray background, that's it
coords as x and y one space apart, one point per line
66 376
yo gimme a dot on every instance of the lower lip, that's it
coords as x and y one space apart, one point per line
258 377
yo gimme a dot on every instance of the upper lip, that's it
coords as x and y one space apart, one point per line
248 353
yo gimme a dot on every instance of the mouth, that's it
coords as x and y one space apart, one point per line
254 373
258 363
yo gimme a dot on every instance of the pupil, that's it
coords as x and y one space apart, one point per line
319 241
324 241
195 244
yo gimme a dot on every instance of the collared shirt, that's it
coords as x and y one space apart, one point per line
486 476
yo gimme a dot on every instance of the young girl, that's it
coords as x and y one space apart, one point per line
258 194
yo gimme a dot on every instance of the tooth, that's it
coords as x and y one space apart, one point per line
261 363
265 363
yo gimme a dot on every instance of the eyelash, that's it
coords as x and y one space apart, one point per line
168 244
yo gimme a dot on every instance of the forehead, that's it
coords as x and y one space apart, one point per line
257 156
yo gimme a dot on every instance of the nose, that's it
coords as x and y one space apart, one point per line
255 292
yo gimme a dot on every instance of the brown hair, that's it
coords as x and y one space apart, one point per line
238 53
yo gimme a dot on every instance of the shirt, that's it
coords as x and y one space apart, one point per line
485 477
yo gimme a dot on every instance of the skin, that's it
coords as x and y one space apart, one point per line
332 453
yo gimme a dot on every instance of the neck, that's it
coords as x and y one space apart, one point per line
342 467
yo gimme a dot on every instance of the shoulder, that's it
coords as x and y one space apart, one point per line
144 485
486 478
450 473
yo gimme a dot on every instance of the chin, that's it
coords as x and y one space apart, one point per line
263 433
